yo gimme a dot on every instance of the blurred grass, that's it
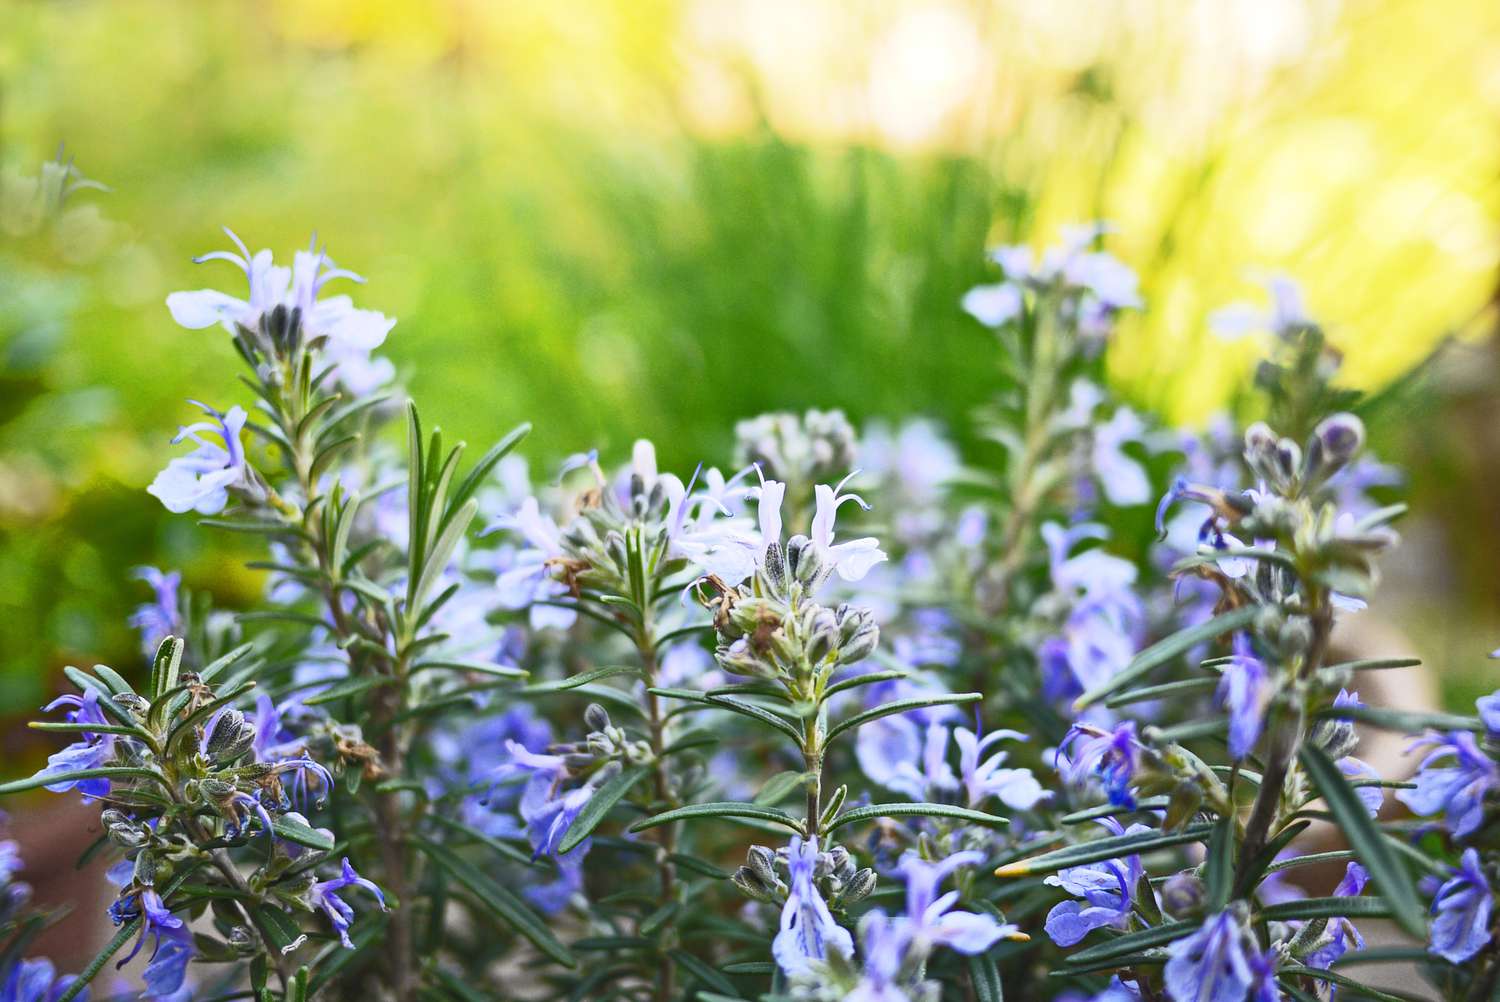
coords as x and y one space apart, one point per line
653 218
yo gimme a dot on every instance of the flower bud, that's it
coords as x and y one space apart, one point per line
745 879
596 717
232 736
858 887
762 861
1336 440
1182 895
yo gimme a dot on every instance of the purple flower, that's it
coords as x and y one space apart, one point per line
159 618
1016 788
338 911
1340 933
200 481
932 920
883 942
808 932
1489 712
1287 311
1211 965
36 981
1110 756
1462 907
1107 890
166 971
171 940
548 810
1246 691
92 750
1457 790
901 755
1122 477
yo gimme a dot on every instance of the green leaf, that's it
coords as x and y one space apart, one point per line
1342 980
1113 810
103 772
112 678
285 935
900 706
302 834
1374 664
499 901
216 667
1167 690
1311 908
984 977
917 810
1219 864
581 679
482 667
481 469
1390 877
1165 650
858 680
1131 942
779 787
725 809
348 687
1105 848
604 798
698 866
762 968
703 972
1408 721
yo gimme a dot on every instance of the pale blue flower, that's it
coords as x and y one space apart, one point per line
36 981
1123 478
1211 965
1456 790
528 583
350 334
161 617
201 480
1016 788
1286 312
1462 908
808 932
933 922
1246 691
1340 932
1107 890
994 305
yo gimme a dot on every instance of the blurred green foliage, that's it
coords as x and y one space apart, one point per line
567 237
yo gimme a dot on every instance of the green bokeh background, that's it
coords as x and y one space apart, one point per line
570 233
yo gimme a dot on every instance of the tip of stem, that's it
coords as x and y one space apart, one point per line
1018 869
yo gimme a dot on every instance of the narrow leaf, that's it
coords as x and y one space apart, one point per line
1105 848
1390 877
1165 650
917 810
604 798
719 810
900 706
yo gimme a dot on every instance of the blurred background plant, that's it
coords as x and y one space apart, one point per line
590 212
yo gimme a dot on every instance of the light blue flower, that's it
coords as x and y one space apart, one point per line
1211 965
201 480
994 305
161 617
1457 790
1286 312
36 981
1462 906
1245 690
1107 890
528 582
1340 933
808 932
932 920
338 911
349 334
1016 788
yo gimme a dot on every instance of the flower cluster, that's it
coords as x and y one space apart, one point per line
987 732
